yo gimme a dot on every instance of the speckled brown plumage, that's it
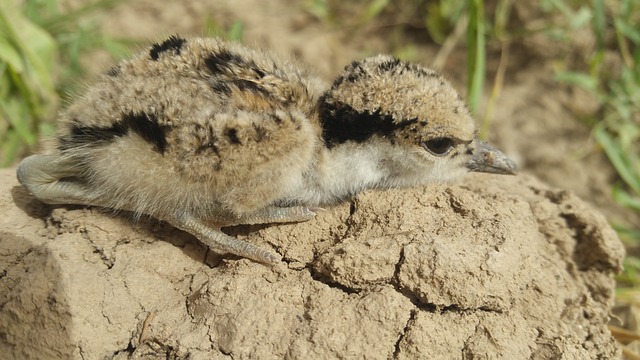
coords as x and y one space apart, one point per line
198 130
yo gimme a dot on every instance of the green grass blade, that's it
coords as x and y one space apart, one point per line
624 198
35 45
628 30
236 32
582 80
375 7
617 157
599 22
476 55
9 55
10 148
17 115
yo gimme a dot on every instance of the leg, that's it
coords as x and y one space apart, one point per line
275 214
44 176
216 239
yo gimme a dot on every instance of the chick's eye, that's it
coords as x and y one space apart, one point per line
438 146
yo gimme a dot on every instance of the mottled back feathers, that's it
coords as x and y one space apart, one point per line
216 113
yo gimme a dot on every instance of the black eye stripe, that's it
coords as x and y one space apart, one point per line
342 123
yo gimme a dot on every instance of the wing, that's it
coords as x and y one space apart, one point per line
245 159
201 123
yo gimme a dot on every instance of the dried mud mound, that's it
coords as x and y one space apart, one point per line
492 268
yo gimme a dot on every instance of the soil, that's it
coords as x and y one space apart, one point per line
495 267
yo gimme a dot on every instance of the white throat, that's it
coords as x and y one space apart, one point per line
347 169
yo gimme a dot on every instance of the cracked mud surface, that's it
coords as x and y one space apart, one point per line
493 267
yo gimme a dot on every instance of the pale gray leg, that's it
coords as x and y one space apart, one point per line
44 176
217 240
276 214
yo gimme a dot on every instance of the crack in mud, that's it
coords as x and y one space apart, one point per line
455 308
82 355
426 306
192 296
400 289
129 350
465 346
316 276
410 321
21 256
349 223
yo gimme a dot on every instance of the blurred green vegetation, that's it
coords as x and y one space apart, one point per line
617 90
29 56
41 47
233 32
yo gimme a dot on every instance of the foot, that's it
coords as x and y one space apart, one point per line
219 241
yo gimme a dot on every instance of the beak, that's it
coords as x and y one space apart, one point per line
488 159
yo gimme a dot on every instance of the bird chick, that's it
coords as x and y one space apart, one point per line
203 134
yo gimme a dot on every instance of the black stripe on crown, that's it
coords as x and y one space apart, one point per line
223 60
231 64
144 125
359 71
174 42
399 67
342 123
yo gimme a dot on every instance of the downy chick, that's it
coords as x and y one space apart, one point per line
203 133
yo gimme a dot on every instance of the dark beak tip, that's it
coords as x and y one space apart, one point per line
510 167
488 159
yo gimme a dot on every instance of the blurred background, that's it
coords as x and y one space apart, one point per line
553 83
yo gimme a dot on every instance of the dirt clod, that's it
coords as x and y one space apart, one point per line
494 267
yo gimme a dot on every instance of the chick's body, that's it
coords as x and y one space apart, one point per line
201 131
209 126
